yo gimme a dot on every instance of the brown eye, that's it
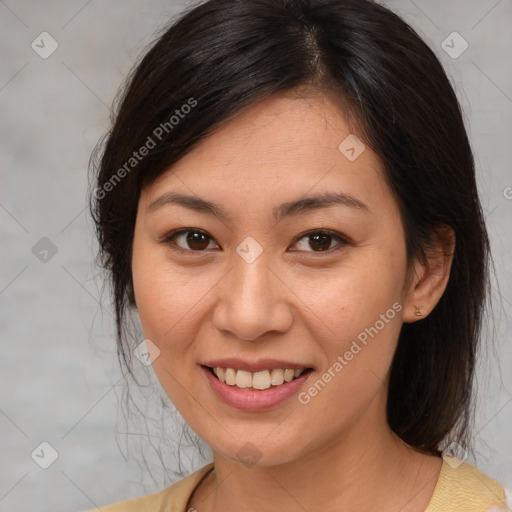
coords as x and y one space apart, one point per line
194 240
320 241
191 240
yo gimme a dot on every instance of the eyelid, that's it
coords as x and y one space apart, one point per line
167 238
342 240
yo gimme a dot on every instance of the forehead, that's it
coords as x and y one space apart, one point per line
283 130
281 148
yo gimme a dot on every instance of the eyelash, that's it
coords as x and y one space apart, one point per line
342 241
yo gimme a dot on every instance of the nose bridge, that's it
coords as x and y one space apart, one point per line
250 301
250 274
252 281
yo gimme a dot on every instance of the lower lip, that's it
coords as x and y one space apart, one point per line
250 400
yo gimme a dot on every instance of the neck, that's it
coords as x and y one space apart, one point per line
360 469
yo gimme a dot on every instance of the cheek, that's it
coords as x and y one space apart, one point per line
167 308
171 300
154 291
163 302
354 295
361 321
357 316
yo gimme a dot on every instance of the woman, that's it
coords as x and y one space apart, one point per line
287 198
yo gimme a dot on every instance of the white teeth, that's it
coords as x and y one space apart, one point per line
243 379
276 377
288 375
230 376
258 380
261 380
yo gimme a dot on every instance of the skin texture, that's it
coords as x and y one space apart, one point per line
293 303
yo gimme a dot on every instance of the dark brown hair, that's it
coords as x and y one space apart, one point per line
223 56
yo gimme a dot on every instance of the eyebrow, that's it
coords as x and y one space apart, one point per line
287 209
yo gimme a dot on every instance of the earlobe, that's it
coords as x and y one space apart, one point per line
430 275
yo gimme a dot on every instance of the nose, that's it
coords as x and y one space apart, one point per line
252 301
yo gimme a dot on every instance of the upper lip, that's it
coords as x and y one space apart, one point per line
254 366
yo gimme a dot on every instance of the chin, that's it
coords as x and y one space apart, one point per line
259 454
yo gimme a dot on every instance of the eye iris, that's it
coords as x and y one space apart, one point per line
320 239
199 241
194 237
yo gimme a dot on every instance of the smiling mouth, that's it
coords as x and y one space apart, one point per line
260 380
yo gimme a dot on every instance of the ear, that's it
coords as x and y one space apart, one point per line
429 277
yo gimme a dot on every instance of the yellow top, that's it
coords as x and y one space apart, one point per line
461 487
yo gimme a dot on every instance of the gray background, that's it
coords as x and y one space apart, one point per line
60 379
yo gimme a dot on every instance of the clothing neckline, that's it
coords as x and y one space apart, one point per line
203 472
457 482
437 488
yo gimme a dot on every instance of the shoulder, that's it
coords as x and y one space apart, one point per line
462 487
172 499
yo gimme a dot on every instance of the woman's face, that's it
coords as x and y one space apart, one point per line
254 283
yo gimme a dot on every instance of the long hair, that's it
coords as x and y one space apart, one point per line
222 57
